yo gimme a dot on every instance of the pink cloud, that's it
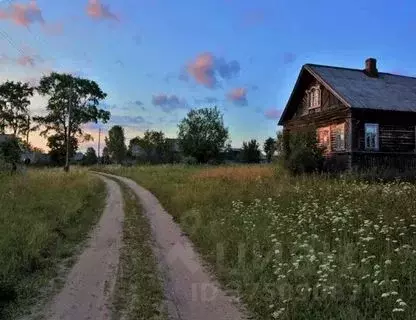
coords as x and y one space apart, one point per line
26 14
238 96
23 60
208 69
202 69
26 60
97 10
273 113
23 14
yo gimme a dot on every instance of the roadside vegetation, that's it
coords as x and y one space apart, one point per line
297 247
44 216
139 289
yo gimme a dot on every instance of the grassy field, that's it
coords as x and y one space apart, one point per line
139 291
44 216
297 248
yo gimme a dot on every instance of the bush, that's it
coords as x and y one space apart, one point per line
189 160
302 154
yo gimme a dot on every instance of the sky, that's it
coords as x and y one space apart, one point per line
157 59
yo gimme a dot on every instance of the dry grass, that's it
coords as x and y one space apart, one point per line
236 173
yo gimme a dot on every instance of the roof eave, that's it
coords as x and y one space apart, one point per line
281 120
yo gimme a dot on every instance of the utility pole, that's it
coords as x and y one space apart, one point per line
68 136
99 141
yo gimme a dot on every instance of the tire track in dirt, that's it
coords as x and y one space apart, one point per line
190 291
88 288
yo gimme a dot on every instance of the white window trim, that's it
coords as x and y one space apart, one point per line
377 136
311 96
338 127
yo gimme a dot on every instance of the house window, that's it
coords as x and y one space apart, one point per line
371 136
314 95
324 138
339 135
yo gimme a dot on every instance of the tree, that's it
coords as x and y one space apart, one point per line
90 157
10 152
105 157
58 149
14 103
251 152
269 148
72 102
202 134
115 144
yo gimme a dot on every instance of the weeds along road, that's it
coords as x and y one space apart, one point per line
190 292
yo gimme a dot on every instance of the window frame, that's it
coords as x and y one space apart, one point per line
377 136
339 128
328 147
314 97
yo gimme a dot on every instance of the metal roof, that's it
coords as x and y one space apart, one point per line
386 92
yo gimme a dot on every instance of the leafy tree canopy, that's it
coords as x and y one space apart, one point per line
115 143
251 152
269 148
202 134
14 104
72 102
90 157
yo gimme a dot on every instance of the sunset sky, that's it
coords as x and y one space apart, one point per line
156 59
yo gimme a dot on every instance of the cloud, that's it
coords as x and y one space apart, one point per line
289 57
27 14
97 10
24 59
23 14
238 96
208 100
129 120
207 69
272 113
169 103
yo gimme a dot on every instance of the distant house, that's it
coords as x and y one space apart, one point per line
78 157
137 151
364 118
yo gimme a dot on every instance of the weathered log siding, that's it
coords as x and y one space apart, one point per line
396 130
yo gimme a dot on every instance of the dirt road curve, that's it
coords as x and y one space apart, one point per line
191 293
88 288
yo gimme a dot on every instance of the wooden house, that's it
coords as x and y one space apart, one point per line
364 118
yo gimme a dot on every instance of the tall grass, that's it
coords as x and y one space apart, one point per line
298 248
44 215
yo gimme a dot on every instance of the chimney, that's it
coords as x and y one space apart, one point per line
371 67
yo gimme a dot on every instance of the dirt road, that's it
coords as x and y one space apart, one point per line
190 291
88 288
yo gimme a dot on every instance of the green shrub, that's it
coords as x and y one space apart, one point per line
302 154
